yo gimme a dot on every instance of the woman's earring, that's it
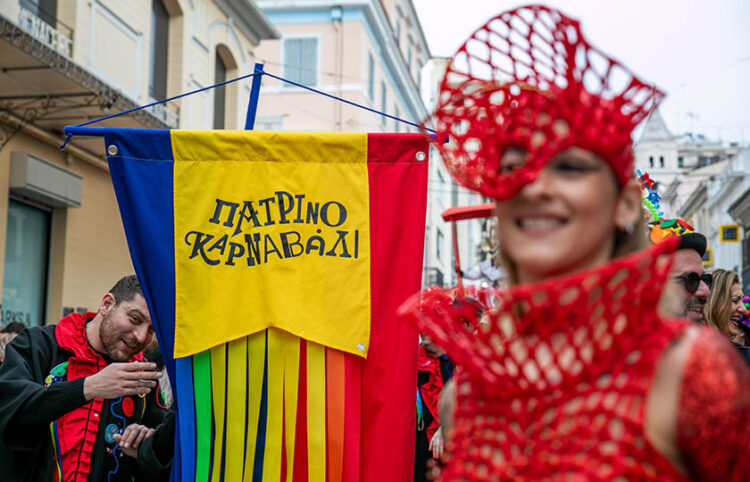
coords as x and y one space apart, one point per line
628 229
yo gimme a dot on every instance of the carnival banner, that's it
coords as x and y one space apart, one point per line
273 264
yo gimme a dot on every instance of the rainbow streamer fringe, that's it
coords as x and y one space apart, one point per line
266 407
56 449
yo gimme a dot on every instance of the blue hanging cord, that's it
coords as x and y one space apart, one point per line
257 72
116 448
420 413
67 137
349 102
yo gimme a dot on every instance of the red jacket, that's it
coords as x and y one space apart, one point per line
430 391
77 429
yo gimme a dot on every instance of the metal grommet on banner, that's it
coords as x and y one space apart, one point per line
420 156
361 347
112 150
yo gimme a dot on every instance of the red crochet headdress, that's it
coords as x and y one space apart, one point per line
529 79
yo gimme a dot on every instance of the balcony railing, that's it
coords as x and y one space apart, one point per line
58 38
168 115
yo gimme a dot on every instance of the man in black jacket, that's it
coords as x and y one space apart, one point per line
77 399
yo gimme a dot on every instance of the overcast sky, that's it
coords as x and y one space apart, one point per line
696 50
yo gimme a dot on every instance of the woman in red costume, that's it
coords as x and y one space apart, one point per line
576 375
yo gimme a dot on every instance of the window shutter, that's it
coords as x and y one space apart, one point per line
309 61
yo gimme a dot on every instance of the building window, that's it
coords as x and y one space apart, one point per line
269 123
382 101
433 277
220 93
44 9
708 257
729 233
371 76
680 161
650 161
439 244
396 124
408 62
661 161
26 260
159 47
398 32
301 60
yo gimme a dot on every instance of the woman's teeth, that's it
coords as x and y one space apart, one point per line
539 223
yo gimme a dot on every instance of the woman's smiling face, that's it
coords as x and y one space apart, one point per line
565 220
738 308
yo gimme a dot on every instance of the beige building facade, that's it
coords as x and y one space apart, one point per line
65 62
369 52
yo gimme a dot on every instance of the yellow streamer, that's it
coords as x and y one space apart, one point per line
218 387
275 407
316 412
236 377
256 356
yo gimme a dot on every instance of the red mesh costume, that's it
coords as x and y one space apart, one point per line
555 384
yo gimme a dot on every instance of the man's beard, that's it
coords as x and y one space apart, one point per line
110 340
696 303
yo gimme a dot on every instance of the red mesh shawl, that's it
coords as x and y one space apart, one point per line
554 383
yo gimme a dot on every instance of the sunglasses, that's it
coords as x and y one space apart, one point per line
692 280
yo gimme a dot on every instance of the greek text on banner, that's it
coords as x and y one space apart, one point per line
271 229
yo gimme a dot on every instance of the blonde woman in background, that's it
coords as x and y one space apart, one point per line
725 307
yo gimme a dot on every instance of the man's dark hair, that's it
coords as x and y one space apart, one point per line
126 289
13 327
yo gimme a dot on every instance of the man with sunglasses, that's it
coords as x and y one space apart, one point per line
693 285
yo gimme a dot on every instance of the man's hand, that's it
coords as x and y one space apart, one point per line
436 444
121 379
131 438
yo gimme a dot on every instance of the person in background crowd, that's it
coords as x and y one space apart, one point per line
165 397
693 285
577 375
77 399
434 370
725 308
9 331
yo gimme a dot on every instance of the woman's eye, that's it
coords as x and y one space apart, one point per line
572 167
508 168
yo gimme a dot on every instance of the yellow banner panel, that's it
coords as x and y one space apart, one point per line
271 230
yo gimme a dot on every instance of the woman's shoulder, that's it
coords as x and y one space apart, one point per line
710 384
698 351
